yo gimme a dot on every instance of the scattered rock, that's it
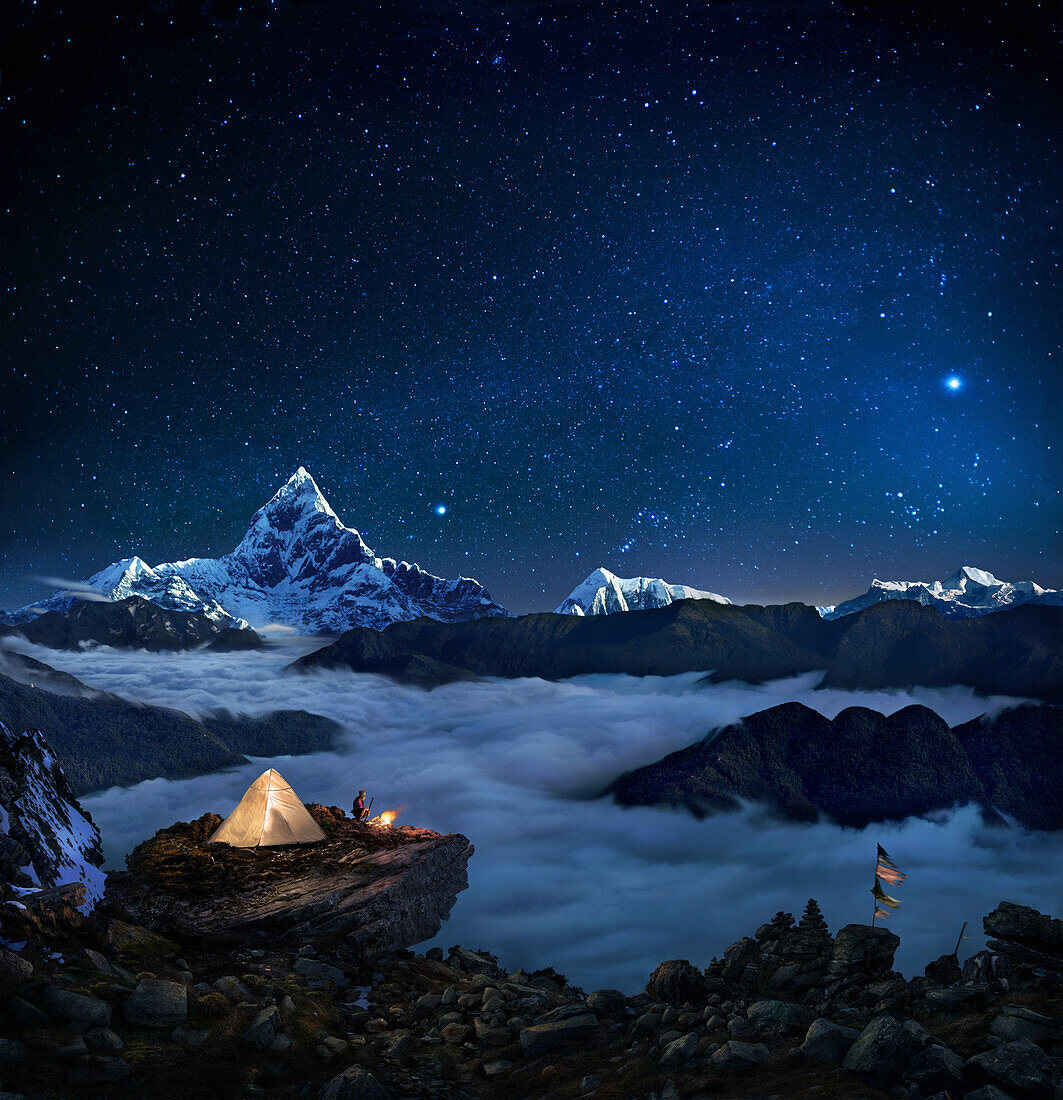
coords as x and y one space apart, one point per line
157 1003
607 1004
79 1010
355 1083
1021 1067
778 1017
14 968
881 1053
936 1069
320 975
1017 1022
540 1039
263 1029
232 989
103 1040
737 1057
851 946
681 1051
826 1041
944 970
675 981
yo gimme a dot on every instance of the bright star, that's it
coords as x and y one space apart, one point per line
953 383
441 509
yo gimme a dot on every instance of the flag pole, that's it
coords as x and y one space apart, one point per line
956 950
874 913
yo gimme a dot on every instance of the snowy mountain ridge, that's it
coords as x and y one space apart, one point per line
604 593
967 593
297 566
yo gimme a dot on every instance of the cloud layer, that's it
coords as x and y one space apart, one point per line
601 893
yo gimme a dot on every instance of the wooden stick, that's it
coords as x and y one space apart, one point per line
959 940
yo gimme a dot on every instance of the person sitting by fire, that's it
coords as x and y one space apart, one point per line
360 810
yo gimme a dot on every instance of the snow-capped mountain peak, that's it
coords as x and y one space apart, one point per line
298 565
966 593
604 593
123 576
299 494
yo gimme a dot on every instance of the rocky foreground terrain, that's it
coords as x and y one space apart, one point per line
266 1005
208 971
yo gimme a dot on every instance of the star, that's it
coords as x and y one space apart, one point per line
440 509
954 383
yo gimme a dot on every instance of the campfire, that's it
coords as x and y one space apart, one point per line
384 820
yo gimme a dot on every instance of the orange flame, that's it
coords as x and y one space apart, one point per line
386 818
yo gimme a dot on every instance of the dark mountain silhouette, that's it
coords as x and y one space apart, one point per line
102 740
864 766
894 644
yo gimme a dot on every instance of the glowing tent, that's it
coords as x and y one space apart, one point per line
269 814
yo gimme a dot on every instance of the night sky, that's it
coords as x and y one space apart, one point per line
762 298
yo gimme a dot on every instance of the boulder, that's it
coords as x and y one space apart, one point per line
607 1004
943 971
79 1010
103 1040
1017 1022
680 1051
738 956
356 1083
850 955
1021 1067
540 1039
157 1003
736 1057
456 1033
936 1069
826 1041
232 989
675 981
320 975
988 1092
263 1029
14 968
778 1017
1023 925
881 1053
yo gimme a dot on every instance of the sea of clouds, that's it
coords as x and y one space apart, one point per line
562 878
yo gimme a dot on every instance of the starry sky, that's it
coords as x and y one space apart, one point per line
757 297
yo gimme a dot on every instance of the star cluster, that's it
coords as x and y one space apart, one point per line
758 298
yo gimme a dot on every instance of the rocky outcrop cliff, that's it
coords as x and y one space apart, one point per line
375 888
46 838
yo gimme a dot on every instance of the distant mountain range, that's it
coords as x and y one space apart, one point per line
297 566
604 593
864 766
967 593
